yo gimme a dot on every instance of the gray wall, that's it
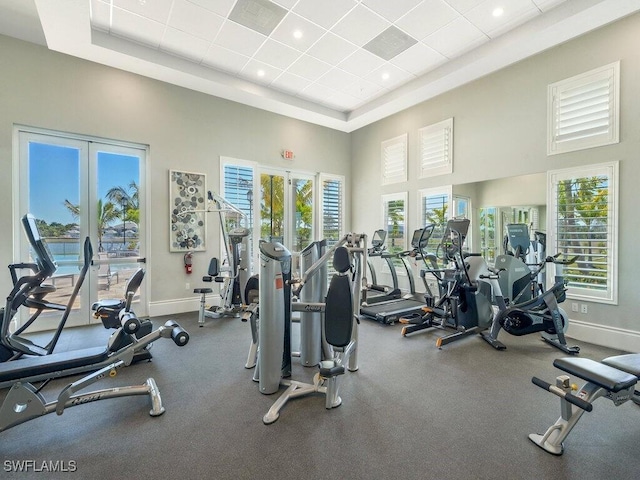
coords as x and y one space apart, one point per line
500 131
185 130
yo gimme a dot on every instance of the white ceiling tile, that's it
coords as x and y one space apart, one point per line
224 59
463 6
389 76
276 54
183 44
253 67
363 89
426 18
456 38
515 13
546 5
291 23
309 67
342 102
331 49
157 10
391 10
290 83
418 59
361 63
137 28
195 20
100 15
325 13
241 39
285 3
337 79
317 92
221 7
360 25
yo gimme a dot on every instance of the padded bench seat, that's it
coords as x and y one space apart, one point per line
32 366
629 363
604 376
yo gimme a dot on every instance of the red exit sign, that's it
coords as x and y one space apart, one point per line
287 154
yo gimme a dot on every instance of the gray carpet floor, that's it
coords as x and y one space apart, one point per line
411 411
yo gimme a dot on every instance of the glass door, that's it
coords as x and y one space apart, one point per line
77 189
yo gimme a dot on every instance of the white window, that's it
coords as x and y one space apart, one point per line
583 111
583 222
434 208
436 149
394 209
394 160
332 207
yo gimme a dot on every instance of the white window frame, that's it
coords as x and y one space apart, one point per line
435 149
446 190
611 170
393 158
605 80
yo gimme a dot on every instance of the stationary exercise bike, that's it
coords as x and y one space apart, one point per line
541 313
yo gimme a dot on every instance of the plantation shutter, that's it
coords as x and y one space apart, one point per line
394 160
583 111
332 208
238 188
436 149
584 224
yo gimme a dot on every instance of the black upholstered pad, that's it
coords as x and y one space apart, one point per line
602 375
202 290
629 363
28 367
338 313
341 260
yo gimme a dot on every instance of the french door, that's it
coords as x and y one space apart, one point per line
78 188
286 208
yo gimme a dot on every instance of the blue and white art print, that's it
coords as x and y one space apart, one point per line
187 198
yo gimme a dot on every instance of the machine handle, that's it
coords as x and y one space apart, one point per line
578 402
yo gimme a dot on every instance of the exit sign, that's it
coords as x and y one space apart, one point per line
287 154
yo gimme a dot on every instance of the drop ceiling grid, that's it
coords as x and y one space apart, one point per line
328 64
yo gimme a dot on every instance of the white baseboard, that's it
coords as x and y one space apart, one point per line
618 338
179 305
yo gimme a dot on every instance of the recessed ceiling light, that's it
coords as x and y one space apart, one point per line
497 12
261 73
385 76
297 34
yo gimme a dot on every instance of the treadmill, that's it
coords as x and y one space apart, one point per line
375 292
389 312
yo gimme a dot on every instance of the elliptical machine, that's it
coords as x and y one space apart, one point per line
464 303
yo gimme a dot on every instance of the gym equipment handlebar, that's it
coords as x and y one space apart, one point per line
578 402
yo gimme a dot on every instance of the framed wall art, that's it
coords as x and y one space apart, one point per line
187 206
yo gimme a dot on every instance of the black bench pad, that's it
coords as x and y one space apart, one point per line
602 375
629 363
31 366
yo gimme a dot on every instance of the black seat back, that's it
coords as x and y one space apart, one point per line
338 316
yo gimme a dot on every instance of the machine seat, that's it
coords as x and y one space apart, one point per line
629 363
604 376
329 368
202 290
32 366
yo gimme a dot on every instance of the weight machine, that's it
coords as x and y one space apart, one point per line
332 346
234 276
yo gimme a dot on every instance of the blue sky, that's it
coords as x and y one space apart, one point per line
54 177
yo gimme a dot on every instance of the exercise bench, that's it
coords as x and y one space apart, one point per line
614 378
